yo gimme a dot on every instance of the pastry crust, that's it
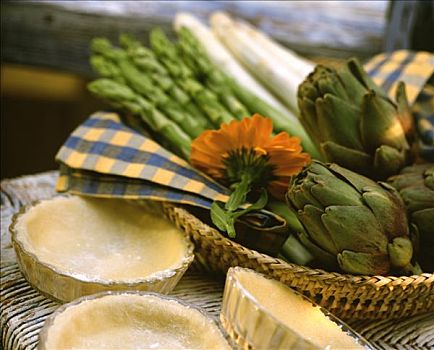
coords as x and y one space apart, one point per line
89 245
130 320
252 298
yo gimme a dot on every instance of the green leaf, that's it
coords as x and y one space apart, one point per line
238 196
225 219
259 204
230 226
218 216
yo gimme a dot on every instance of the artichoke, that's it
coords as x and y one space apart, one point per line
351 222
354 123
416 187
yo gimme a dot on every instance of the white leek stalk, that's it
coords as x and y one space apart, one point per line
282 79
220 55
299 65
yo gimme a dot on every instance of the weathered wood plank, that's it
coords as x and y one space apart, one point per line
56 34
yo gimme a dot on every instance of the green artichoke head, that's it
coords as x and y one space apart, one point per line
416 187
353 121
351 222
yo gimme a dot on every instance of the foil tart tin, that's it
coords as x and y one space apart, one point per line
136 312
63 286
252 326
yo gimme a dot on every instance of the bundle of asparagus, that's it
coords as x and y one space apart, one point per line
176 89
158 87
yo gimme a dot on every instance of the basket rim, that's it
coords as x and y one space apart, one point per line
361 280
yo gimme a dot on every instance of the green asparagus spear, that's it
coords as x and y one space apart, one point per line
197 60
249 99
121 96
145 60
167 53
113 63
106 68
207 100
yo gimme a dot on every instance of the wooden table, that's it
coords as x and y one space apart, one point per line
24 310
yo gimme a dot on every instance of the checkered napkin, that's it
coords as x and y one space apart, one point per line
103 157
423 111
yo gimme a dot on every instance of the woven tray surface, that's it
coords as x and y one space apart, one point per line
349 297
24 310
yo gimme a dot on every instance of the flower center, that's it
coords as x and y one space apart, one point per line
251 162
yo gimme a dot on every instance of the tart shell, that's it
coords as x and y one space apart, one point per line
64 286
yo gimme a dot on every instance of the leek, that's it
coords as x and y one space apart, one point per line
222 58
299 65
282 79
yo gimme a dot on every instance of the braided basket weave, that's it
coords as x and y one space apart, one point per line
347 296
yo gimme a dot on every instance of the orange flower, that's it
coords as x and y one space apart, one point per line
248 147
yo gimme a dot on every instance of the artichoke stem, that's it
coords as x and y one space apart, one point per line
293 251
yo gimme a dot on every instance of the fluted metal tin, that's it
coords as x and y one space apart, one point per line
64 286
254 327
210 327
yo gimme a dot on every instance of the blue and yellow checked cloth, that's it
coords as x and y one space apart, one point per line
103 157
413 68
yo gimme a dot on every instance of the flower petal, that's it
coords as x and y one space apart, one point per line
282 152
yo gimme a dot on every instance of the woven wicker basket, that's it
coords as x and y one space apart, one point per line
347 296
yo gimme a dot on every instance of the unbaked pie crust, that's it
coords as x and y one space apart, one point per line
73 246
130 320
262 313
